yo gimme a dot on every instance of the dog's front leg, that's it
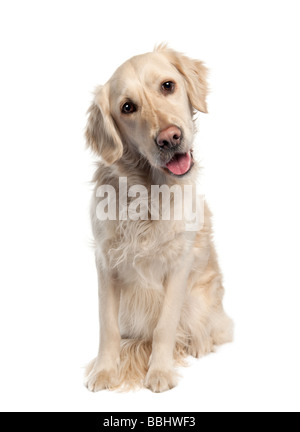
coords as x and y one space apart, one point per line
161 375
103 371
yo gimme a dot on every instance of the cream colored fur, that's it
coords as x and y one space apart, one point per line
160 287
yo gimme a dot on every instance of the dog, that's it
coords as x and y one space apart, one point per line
160 285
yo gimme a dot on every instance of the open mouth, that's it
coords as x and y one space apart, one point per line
180 164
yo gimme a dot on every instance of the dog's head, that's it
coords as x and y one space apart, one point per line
146 109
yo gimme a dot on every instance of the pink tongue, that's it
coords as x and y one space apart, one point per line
180 164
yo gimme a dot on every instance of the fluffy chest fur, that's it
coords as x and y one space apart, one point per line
144 252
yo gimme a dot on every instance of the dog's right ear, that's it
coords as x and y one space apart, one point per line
101 132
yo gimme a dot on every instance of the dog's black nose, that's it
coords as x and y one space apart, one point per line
169 138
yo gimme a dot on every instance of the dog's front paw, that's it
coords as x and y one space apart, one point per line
101 380
100 377
160 380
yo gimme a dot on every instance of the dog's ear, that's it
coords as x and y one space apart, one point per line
194 73
101 132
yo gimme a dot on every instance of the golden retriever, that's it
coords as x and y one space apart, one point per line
160 286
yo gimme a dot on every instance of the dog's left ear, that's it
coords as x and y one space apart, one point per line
195 74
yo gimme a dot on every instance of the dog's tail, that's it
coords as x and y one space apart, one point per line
134 363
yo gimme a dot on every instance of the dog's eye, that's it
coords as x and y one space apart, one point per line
168 87
128 108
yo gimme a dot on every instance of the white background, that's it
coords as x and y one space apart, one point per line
53 53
